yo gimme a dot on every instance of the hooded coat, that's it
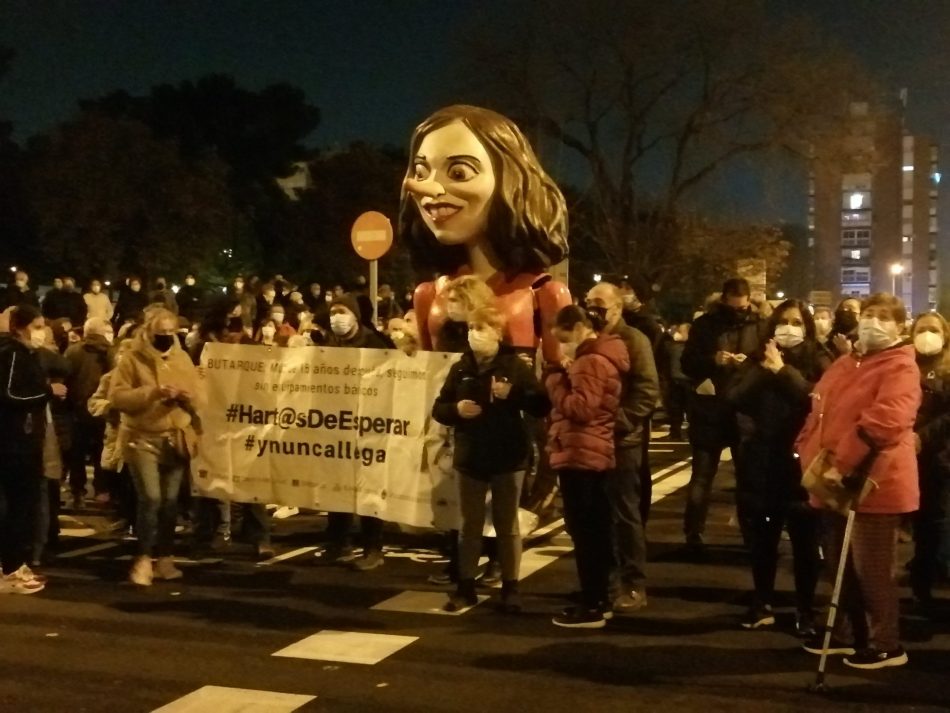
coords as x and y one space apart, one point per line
586 399
24 393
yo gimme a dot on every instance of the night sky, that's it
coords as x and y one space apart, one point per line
374 68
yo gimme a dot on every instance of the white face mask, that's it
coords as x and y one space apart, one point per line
483 341
96 289
679 337
110 337
37 338
823 327
397 335
928 343
630 301
190 282
788 336
268 332
342 324
876 335
277 317
569 349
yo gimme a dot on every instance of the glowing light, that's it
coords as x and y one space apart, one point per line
598 277
897 269
908 168
780 295
856 200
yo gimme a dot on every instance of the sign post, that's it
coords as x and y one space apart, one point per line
372 236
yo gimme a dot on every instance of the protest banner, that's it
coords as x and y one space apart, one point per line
341 430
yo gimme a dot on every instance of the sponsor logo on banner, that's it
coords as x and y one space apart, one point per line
342 430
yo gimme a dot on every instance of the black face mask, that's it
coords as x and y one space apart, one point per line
316 336
163 342
845 322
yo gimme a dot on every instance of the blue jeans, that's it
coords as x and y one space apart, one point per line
157 470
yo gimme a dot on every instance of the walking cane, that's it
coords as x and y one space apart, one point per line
819 685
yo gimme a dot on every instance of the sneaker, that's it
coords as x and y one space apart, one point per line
441 579
283 512
630 602
580 618
462 598
142 573
265 552
22 581
758 617
805 625
870 659
491 577
369 560
510 602
335 554
165 569
816 645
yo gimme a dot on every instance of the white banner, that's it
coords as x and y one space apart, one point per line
342 430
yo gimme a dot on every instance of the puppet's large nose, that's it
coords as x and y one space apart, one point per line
424 189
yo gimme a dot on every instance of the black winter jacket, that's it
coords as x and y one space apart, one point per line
497 441
24 393
88 361
933 422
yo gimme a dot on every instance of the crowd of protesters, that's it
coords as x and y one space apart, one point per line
115 385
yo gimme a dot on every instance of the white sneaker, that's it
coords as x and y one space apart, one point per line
284 511
23 581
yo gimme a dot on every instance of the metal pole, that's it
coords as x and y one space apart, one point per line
374 287
893 284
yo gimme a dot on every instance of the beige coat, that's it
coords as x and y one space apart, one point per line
134 393
99 406
98 305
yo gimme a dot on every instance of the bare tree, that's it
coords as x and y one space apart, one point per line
655 99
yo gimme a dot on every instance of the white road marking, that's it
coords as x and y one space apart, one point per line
78 532
235 700
412 602
88 550
286 556
347 647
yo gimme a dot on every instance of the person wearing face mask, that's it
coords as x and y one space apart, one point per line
19 292
98 304
346 331
824 320
266 299
131 303
772 396
483 399
267 334
162 294
458 299
863 414
24 395
636 314
157 390
678 384
628 484
586 392
931 338
191 300
54 301
844 328
278 318
730 332
89 360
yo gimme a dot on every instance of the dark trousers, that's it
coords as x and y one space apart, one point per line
339 525
930 525
762 530
587 517
20 480
676 402
88 435
869 608
630 550
705 466
646 474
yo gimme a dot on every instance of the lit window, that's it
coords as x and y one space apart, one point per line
937 177
855 254
908 168
906 239
857 200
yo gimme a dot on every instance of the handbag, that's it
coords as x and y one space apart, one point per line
834 491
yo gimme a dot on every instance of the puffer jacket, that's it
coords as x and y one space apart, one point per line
132 392
877 395
586 399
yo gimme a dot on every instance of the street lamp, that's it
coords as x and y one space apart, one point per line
896 269
598 277
780 295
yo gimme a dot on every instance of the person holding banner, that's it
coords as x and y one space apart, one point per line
157 390
586 393
347 331
483 399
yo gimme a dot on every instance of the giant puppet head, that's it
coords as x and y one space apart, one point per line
473 180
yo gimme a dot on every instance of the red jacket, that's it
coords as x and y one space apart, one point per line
881 395
586 399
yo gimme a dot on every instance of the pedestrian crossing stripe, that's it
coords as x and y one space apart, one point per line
221 699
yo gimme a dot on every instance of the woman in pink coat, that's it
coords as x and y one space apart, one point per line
585 393
863 413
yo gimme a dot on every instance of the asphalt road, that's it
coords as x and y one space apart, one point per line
90 642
